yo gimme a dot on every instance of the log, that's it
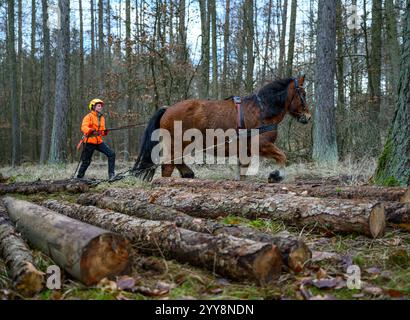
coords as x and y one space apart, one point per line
312 190
338 215
294 251
236 258
395 200
48 186
86 252
26 278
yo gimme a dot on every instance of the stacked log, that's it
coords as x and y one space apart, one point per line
88 253
229 256
397 194
338 215
294 251
27 279
70 185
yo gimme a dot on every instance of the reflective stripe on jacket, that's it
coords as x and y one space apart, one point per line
92 122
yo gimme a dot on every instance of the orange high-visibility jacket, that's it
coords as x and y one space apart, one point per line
90 123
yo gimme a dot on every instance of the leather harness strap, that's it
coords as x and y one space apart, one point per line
240 122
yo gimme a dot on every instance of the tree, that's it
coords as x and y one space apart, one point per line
15 112
58 145
291 48
46 84
205 37
224 89
212 7
282 39
393 47
324 128
374 72
394 163
250 34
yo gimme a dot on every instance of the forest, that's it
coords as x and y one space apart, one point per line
339 68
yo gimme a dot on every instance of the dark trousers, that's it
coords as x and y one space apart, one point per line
88 153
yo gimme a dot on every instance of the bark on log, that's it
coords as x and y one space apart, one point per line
86 252
396 200
335 214
229 256
27 280
70 185
312 190
294 251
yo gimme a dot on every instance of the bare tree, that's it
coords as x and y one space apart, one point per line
15 112
58 145
324 129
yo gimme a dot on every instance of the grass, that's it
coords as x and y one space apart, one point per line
389 255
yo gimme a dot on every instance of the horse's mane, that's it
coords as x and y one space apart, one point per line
273 96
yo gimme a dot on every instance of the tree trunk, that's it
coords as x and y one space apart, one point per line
394 162
224 83
393 46
291 48
321 191
267 43
229 256
81 52
212 4
335 214
281 70
128 50
15 112
73 186
58 145
294 251
250 34
26 278
374 74
204 49
324 128
46 83
86 252
101 66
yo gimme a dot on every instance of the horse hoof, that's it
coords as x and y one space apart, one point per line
188 175
275 177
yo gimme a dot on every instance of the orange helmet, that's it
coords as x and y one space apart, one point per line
94 102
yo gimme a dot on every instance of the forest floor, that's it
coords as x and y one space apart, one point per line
384 263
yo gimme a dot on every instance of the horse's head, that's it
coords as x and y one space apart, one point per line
298 107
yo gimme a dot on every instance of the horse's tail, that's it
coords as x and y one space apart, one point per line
144 166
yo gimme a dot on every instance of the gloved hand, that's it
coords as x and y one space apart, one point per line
103 132
90 132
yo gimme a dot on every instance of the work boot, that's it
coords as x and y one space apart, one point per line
111 176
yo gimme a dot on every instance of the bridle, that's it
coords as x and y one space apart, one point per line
302 99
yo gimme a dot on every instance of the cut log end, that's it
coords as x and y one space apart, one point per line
299 256
405 198
268 265
377 221
30 282
106 255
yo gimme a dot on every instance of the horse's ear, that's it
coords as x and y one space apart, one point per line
301 79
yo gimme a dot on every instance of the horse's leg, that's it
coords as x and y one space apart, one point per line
185 171
167 169
269 150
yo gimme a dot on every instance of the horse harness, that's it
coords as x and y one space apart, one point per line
265 128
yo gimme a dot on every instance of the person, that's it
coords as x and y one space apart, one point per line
93 128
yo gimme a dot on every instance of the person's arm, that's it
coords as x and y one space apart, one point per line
87 126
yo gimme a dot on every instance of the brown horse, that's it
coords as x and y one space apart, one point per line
269 106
